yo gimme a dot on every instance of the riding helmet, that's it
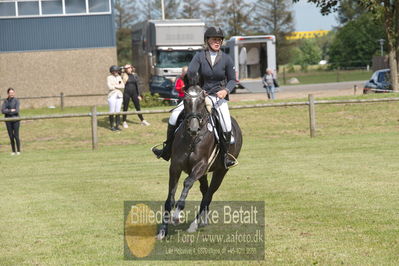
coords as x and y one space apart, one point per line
213 32
114 69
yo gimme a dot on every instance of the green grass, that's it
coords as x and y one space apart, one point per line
326 76
329 200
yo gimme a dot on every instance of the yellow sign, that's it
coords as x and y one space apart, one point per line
296 35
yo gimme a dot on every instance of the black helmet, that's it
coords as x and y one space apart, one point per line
213 32
114 69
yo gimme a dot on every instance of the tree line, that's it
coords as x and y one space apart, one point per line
385 15
353 43
235 17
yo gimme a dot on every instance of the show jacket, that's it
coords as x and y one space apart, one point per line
213 78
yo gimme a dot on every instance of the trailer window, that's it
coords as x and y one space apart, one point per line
167 59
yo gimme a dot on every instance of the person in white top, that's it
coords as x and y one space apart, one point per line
115 96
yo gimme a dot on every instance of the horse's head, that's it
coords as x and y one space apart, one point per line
195 110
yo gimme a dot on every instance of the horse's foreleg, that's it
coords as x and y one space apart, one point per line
197 172
174 175
204 185
202 216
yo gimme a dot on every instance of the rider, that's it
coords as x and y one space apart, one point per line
217 78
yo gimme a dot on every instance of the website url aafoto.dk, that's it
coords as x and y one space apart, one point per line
235 237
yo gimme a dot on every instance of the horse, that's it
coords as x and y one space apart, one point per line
195 152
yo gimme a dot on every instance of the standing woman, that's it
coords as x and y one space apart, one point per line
270 83
217 76
131 91
10 108
115 96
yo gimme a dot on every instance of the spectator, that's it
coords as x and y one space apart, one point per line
270 83
115 86
131 91
179 85
10 108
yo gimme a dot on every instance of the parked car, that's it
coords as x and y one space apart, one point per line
379 82
164 87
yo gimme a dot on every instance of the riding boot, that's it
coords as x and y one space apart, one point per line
111 122
228 161
166 151
118 121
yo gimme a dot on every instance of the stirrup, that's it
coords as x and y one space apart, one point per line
156 147
234 159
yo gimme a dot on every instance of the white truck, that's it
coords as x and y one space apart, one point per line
252 55
160 48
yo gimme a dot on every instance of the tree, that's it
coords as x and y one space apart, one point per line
308 53
125 17
275 17
349 10
237 17
148 9
191 9
387 11
355 43
172 9
212 13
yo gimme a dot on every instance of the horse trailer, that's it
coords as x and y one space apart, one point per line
252 55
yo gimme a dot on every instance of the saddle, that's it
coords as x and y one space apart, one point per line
214 125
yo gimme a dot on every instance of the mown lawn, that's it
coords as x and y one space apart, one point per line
325 76
329 200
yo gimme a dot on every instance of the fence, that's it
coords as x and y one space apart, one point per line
311 103
62 97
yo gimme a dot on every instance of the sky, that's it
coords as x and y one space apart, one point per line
308 18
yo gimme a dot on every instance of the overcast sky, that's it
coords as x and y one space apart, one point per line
308 18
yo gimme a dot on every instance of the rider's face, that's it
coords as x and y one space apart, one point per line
215 43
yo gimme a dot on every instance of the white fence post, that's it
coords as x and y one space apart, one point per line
312 116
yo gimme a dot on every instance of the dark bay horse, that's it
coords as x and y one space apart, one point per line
195 152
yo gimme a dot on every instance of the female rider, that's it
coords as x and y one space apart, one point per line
217 75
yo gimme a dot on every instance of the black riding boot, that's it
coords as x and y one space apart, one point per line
111 122
227 160
166 152
118 121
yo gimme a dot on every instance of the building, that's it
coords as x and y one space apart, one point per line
53 46
307 34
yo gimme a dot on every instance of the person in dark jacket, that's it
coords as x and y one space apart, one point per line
10 108
131 91
217 78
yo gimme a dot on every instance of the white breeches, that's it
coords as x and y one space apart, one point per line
221 107
115 103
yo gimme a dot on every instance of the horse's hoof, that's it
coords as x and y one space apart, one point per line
203 224
176 217
161 235
193 227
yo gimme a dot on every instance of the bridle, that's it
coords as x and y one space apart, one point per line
200 116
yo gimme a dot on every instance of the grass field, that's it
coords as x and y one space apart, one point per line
329 200
312 76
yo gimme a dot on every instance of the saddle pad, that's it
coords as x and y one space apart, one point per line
211 128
